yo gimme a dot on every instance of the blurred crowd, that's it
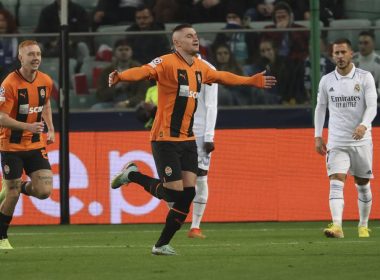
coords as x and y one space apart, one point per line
247 51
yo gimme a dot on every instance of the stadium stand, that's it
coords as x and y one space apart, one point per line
362 9
351 34
203 29
109 39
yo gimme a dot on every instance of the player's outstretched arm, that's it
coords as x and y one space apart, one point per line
131 75
259 80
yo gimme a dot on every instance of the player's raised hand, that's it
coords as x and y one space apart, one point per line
36 127
262 81
320 146
113 78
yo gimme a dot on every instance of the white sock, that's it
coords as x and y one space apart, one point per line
200 200
364 203
336 201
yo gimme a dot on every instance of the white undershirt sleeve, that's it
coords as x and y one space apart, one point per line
320 109
370 100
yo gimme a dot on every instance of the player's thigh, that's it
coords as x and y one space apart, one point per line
189 157
167 156
203 157
38 168
12 165
361 161
337 161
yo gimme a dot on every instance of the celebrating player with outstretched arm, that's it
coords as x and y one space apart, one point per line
350 95
179 78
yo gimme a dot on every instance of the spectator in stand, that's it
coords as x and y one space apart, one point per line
123 95
115 11
147 46
329 10
281 93
261 10
171 10
224 60
367 59
326 66
243 45
8 46
49 22
207 11
290 44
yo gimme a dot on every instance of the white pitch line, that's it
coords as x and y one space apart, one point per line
121 246
219 245
126 230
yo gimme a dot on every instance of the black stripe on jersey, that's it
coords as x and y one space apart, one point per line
41 101
198 76
23 104
179 105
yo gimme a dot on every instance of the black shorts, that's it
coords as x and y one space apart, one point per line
13 163
173 157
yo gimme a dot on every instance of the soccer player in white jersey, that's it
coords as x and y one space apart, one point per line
204 131
350 95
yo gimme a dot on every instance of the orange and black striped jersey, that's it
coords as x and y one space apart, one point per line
24 102
179 85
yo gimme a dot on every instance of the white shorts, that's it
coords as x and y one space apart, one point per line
203 157
356 160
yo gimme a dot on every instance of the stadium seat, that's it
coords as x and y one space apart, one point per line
377 34
84 101
259 24
362 9
29 12
208 30
50 66
89 5
89 67
109 39
10 5
348 33
170 25
307 23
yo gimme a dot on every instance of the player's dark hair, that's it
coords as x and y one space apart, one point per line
367 33
182 26
343 41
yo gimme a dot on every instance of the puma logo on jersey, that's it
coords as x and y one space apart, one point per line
182 75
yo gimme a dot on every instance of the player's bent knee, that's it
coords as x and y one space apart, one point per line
361 181
338 176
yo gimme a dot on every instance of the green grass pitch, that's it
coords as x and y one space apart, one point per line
230 251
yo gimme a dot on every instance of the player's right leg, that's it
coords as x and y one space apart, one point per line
12 167
338 163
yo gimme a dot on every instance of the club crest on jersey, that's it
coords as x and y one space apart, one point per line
357 88
6 169
168 171
2 94
155 62
199 78
42 92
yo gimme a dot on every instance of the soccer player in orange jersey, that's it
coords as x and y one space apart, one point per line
24 110
179 78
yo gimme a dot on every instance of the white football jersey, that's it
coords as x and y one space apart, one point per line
351 100
205 115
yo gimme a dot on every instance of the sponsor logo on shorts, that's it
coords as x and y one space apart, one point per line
369 172
168 171
6 169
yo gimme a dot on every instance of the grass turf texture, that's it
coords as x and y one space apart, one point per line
230 251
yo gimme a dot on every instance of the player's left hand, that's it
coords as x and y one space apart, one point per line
50 137
262 81
359 132
209 147
113 78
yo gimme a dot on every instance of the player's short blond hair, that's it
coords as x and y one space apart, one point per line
26 43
